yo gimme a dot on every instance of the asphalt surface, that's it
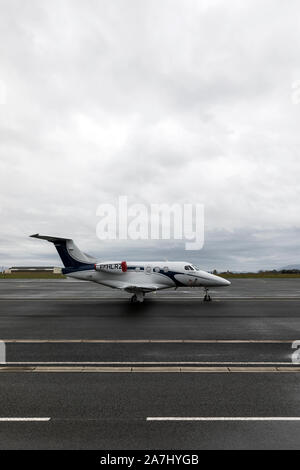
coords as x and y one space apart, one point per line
61 289
150 353
172 373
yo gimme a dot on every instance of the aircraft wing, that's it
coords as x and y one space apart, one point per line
133 288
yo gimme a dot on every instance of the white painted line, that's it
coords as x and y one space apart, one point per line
25 419
149 341
225 418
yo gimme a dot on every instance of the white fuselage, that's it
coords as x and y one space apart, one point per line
159 274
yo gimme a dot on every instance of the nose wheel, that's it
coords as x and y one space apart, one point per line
207 297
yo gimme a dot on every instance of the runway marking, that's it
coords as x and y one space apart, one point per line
147 369
147 341
159 363
24 419
226 418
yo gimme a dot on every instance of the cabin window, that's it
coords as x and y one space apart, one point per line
157 269
148 269
166 269
137 268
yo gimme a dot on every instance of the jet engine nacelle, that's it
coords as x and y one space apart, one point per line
112 267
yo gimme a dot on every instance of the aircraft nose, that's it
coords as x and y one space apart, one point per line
224 282
219 281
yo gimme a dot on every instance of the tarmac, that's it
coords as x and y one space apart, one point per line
82 368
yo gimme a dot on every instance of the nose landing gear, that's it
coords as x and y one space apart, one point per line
207 297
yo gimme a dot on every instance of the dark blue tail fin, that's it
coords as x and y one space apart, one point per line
69 253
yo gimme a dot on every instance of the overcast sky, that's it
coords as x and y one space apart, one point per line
160 100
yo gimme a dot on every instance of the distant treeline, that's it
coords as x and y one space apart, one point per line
271 273
289 271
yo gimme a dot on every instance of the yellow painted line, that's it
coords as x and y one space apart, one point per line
258 369
156 369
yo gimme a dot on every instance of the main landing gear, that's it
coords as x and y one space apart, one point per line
207 297
139 297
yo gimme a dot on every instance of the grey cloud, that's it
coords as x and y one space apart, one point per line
163 101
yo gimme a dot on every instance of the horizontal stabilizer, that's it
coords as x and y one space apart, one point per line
49 239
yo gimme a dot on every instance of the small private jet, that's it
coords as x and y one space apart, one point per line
135 277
